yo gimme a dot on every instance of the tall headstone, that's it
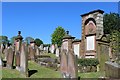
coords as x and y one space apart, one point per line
41 47
63 63
10 57
6 53
68 64
52 48
57 53
0 59
72 64
32 50
68 58
18 41
37 51
24 59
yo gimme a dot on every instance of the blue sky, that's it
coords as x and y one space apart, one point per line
39 19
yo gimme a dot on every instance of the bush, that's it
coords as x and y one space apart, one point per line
88 65
88 62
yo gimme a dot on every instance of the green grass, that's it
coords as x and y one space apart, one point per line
91 74
51 55
42 72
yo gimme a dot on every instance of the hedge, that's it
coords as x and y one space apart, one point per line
88 62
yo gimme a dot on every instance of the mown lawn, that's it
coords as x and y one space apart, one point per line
91 75
36 71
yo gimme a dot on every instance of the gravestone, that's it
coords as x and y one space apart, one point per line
52 49
32 52
41 47
68 64
24 60
18 41
10 57
63 63
57 52
37 51
72 64
0 59
6 53
46 49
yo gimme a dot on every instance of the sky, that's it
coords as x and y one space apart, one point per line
40 19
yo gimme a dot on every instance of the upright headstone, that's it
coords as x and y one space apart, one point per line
72 64
41 47
63 64
69 69
32 50
57 53
10 57
18 42
0 59
6 53
52 48
24 60
37 51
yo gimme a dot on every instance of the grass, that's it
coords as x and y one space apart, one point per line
37 72
51 55
91 75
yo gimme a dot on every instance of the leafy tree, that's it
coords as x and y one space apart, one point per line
45 45
28 39
4 39
58 35
38 42
111 22
115 44
112 27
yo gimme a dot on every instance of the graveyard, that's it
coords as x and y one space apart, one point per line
90 57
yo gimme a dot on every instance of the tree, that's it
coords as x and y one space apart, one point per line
111 22
4 39
38 42
58 35
28 39
115 44
112 27
12 39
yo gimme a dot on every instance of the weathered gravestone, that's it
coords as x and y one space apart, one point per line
32 50
72 64
6 53
46 49
68 64
18 41
63 63
52 49
0 59
41 47
24 60
57 52
10 57
37 51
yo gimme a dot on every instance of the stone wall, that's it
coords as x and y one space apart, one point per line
112 70
102 53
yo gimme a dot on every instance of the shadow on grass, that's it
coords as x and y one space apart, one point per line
31 72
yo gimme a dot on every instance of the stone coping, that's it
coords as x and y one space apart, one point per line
113 64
